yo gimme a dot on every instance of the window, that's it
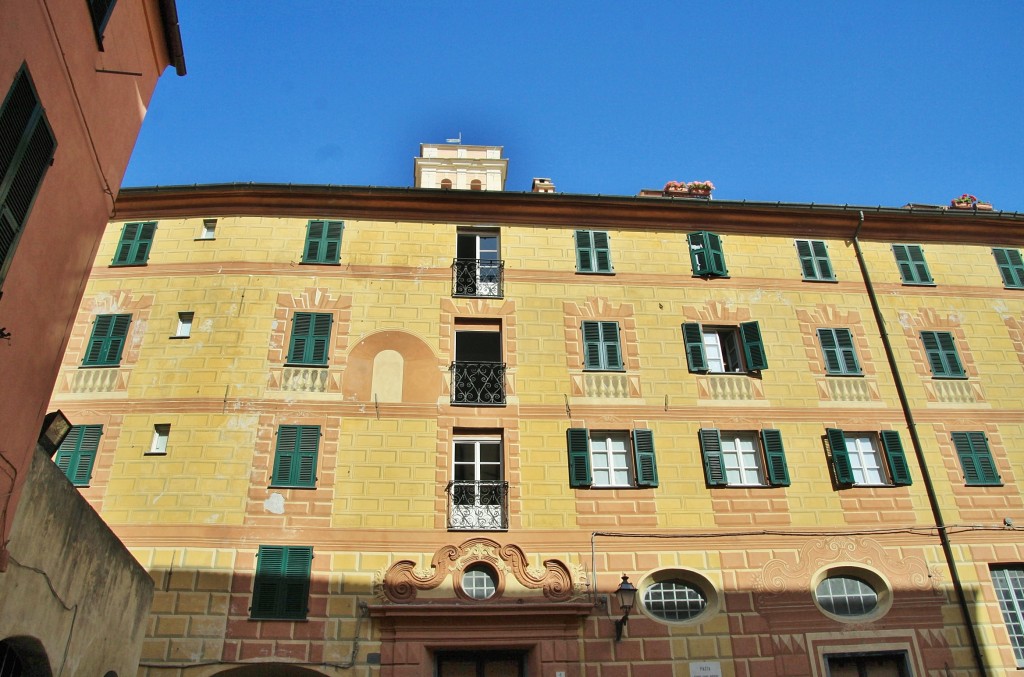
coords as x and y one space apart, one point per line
77 453
295 457
184 329
1011 267
478 374
846 596
840 355
479 581
27 145
706 254
856 458
607 459
323 242
593 254
910 260
724 350
477 267
99 12
311 339
941 352
601 349
135 244
161 431
976 459
446 184
475 184
281 588
674 600
477 491
107 340
209 231
743 458
814 261
1009 585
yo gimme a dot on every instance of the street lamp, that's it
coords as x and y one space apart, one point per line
626 592
56 427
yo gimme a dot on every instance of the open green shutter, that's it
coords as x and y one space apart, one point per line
775 457
898 466
602 252
698 244
840 457
578 445
284 455
584 253
716 257
693 337
714 460
646 464
753 347
77 453
307 449
976 458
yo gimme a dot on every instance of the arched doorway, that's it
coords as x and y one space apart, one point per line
23 657
270 670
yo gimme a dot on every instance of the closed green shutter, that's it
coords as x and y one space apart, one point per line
706 255
311 338
775 457
578 445
602 252
753 347
295 456
323 241
898 466
714 460
839 352
135 244
976 459
27 147
940 349
593 254
281 586
840 457
814 261
693 337
646 464
1011 267
106 343
911 263
601 350
77 453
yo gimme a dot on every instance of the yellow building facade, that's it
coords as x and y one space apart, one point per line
372 431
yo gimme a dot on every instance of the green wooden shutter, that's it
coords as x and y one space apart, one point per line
839 352
1011 267
284 455
693 337
775 457
911 263
940 350
578 445
949 354
753 347
602 252
123 253
27 147
847 351
976 459
302 324
584 252
601 348
332 241
144 243
714 460
323 241
314 238
295 456
320 338
106 343
281 586
135 244
840 457
612 350
716 256
592 345
898 466
646 464
99 12
706 255
297 568
814 261
77 453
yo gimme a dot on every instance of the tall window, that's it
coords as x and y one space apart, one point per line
281 588
611 459
1011 267
910 261
593 252
744 458
477 269
161 431
135 244
323 242
706 254
107 340
295 457
839 352
478 496
1009 585
858 460
940 349
976 458
27 145
814 261
184 329
724 350
601 348
311 339
77 453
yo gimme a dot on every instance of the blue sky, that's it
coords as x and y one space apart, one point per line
831 102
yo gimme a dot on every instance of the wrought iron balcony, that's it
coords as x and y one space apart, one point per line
478 383
477 506
477 277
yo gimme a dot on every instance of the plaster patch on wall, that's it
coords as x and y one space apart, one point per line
242 422
1000 307
274 504
905 321
206 325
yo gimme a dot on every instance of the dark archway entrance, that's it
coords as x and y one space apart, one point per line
270 670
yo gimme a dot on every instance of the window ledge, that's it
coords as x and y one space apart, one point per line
154 453
950 378
920 284
291 486
278 618
203 239
306 366
813 279
179 337
99 366
860 375
128 265
604 371
595 272
319 263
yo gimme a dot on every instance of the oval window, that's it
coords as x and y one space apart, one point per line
846 596
674 600
479 582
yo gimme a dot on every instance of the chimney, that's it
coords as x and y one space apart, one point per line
543 186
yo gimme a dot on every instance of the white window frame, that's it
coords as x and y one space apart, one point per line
208 231
161 433
735 465
184 329
1009 585
614 462
723 350
864 448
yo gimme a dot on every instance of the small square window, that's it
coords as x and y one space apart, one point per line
209 231
184 329
161 431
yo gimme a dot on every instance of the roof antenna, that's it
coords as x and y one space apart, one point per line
458 140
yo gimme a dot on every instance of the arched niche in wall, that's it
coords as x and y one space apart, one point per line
394 365
25 656
270 670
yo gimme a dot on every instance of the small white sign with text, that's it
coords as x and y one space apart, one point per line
706 669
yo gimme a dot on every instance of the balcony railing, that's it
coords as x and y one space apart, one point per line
477 277
477 506
478 383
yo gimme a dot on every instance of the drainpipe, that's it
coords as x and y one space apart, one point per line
919 452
